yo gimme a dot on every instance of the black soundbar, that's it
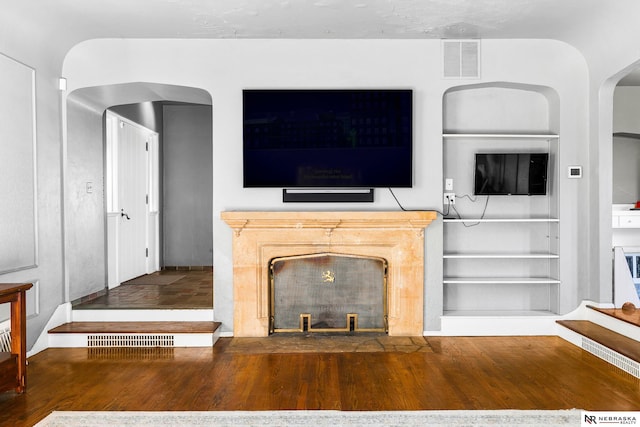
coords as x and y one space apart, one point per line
334 195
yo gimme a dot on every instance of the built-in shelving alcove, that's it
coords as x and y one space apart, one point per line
500 252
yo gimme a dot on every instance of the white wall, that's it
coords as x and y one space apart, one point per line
188 188
225 67
609 45
29 47
626 109
84 207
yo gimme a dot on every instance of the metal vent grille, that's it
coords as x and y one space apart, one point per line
461 59
128 340
616 359
5 340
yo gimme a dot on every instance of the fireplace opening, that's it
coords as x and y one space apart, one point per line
328 293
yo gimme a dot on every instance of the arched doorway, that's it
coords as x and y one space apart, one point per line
87 253
625 188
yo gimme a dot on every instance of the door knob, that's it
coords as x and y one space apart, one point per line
122 213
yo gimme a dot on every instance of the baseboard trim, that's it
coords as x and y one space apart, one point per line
187 268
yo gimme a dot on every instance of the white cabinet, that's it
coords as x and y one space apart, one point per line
629 221
624 216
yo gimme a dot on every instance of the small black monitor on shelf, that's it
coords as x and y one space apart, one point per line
511 174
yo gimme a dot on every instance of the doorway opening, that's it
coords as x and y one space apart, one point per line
625 189
88 257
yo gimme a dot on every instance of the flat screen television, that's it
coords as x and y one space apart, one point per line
511 174
327 138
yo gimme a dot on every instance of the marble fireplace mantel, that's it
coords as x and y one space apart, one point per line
261 236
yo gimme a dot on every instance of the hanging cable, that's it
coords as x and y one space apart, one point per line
412 210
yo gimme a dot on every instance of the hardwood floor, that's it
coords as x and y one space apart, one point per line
460 373
447 373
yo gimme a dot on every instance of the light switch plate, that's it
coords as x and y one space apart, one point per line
448 184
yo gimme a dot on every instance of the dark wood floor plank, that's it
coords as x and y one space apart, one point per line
460 373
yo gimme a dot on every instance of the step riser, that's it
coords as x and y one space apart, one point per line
614 358
141 315
82 340
496 326
139 339
616 325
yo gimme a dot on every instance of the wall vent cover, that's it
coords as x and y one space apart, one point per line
461 59
130 340
630 366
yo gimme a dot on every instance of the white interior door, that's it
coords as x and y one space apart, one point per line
132 201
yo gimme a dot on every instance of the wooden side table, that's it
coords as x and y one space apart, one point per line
13 364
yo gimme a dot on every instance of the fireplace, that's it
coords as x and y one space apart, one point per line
395 237
328 293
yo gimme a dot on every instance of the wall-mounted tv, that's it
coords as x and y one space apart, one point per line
511 174
327 138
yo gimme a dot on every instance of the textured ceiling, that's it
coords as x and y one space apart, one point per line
64 23
77 20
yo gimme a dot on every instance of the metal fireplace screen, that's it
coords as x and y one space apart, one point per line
328 293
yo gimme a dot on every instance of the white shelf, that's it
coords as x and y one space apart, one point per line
498 313
500 280
501 256
544 136
501 220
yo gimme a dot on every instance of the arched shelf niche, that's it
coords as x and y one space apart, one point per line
501 107
507 262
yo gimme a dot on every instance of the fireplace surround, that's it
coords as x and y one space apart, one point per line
259 237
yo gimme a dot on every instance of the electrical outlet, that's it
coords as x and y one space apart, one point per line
448 184
449 198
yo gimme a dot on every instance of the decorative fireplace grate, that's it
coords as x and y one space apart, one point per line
328 293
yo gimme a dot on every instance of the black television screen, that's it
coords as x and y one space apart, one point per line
327 138
511 174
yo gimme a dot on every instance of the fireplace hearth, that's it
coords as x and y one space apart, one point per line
260 237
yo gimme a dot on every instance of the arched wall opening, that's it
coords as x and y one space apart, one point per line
622 141
518 273
182 117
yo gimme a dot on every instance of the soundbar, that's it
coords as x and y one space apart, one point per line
330 195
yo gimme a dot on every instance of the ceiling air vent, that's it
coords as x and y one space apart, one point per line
461 59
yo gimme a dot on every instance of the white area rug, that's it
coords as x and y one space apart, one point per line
506 418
